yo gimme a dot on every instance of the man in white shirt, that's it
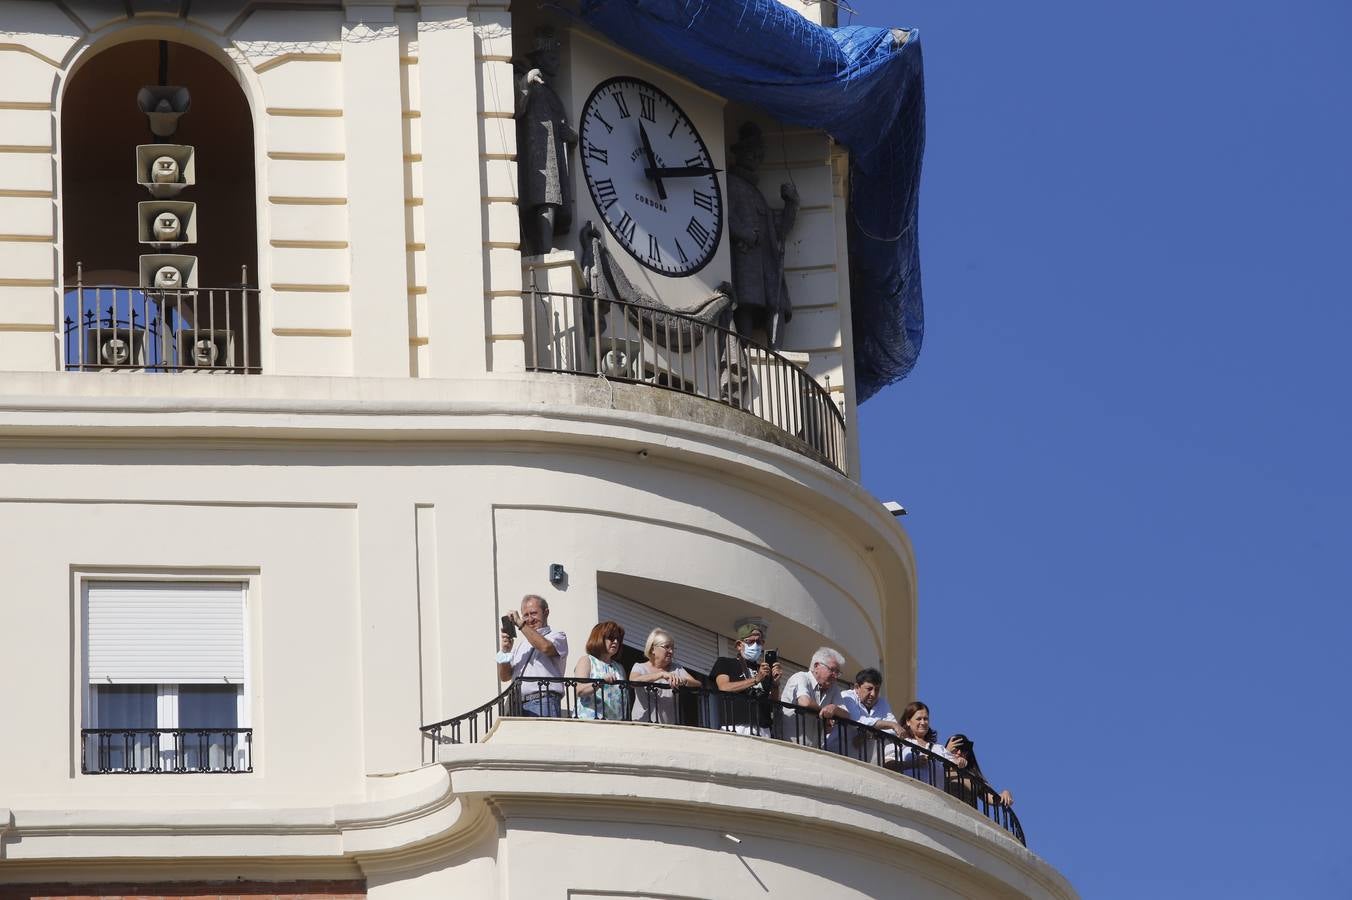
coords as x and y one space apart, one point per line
540 652
814 690
865 705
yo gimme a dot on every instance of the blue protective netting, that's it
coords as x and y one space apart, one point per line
864 86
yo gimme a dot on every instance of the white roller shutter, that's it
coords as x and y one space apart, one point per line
696 648
165 632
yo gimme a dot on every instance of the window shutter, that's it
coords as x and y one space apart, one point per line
165 632
696 648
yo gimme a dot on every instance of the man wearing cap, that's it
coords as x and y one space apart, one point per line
748 683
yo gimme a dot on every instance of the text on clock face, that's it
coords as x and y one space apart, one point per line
651 176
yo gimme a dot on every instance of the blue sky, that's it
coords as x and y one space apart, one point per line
1126 446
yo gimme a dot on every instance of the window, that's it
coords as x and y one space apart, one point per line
166 667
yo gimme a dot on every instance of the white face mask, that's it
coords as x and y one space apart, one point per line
751 652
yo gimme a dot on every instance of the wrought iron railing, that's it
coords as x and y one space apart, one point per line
145 329
632 342
135 751
743 713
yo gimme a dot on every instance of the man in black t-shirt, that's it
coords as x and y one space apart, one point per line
748 683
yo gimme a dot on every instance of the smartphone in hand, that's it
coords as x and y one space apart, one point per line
509 626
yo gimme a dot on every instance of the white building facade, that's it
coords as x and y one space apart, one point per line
260 522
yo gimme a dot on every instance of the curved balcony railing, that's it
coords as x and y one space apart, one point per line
631 701
145 329
633 342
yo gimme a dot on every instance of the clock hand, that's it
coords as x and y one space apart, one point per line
680 171
652 162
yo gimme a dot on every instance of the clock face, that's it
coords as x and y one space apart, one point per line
650 176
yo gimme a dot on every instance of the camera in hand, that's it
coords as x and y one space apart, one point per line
771 657
509 626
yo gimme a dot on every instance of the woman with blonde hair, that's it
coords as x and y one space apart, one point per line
659 704
603 646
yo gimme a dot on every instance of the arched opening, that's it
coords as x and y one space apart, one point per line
121 309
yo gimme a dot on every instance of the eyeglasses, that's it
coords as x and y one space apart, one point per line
834 670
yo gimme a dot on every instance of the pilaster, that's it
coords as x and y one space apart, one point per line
457 315
372 117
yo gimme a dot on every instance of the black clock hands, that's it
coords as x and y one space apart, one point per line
680 171
652 162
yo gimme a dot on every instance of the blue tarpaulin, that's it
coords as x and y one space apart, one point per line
864 86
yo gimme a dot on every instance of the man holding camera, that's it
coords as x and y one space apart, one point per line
750 679
815 690
540 653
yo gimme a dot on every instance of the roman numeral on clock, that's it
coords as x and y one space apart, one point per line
697 230
647 108
606 194
704 201
681 250
602 119
600 154
654 252
625 228
622 103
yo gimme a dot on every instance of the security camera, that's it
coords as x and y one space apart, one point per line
894 508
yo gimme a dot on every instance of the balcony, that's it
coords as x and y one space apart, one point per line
109 328
617 340
144 751
710 709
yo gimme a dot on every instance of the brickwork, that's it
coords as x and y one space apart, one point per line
189 890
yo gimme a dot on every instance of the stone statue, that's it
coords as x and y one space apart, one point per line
167 227
164 170
758 234
544 138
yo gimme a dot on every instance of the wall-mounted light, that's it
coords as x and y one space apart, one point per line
557 576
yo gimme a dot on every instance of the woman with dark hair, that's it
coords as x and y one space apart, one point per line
921 756
603 645
967 785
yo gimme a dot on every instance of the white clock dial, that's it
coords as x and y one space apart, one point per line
650 176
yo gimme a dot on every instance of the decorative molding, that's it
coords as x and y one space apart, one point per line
308 245
306 157
313 332
304 113
311 289
40 105
296 57
27 239
20 48
28 282
308 201
26 148
15 192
